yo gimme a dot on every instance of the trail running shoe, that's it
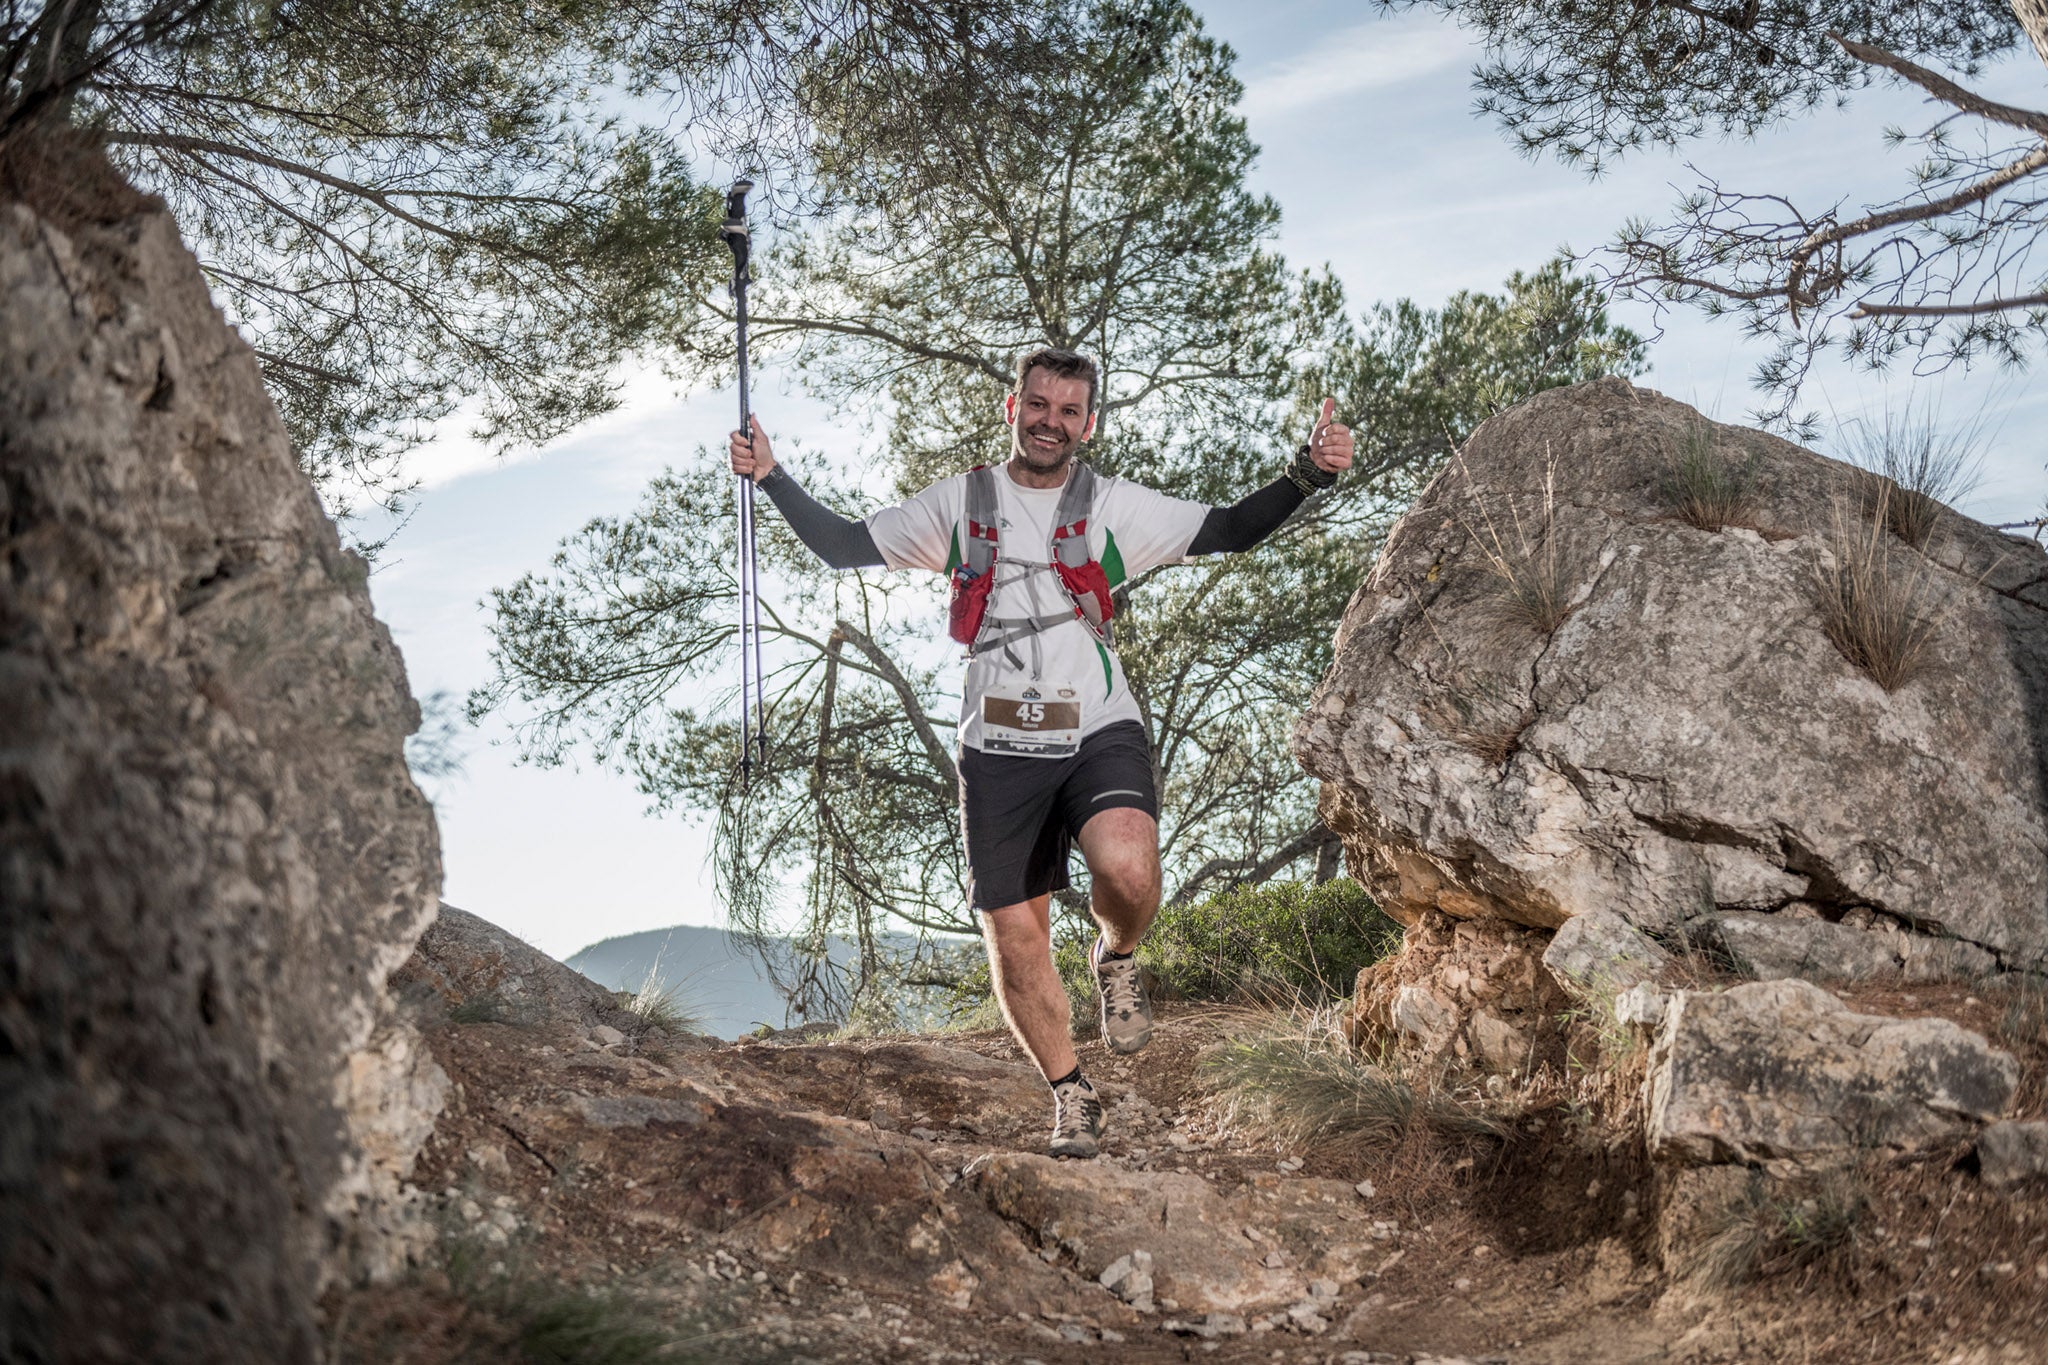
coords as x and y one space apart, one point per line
1126 1013
1076 1119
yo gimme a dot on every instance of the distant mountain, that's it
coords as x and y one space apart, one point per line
708 972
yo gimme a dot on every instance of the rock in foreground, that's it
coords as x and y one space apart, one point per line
214 852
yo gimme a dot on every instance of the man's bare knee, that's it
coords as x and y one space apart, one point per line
1016 933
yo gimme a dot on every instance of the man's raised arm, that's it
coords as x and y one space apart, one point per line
842 542
1252 518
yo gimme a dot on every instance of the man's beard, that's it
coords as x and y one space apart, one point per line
1041 460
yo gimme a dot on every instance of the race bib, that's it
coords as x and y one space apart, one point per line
1031 719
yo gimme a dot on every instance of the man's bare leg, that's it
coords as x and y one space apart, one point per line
1034 1003
1122 848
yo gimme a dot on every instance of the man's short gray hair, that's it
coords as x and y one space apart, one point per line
1065 364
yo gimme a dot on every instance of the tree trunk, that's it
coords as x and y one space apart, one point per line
1329 860
59 58
2033 17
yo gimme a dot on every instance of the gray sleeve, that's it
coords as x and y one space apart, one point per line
840 541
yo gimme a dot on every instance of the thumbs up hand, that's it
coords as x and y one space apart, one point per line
1329 445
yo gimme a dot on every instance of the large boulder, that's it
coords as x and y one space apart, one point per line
1686 742
213 853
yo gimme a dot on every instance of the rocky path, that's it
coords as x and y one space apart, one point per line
804 1198
886 1200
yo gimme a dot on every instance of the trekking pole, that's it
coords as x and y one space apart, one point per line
753 702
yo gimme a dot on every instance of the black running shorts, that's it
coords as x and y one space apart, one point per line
1020 816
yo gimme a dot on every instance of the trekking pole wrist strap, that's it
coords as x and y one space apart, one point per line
1304 473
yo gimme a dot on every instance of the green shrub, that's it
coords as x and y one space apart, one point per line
485 1007
1277 939
1292 941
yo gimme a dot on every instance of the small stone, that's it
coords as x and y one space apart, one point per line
1365 1189
1323 1289
1462 1283
607 1036
924 1134
1275 1259
1482 1252
489 1158
1306 1316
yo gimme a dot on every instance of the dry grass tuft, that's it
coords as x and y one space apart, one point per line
1298 1081
663 1010
1880 604
486 1304
660 1006
63 175
1773 1228
1535 577
1494 744
1708 489
2026 1009
1912 469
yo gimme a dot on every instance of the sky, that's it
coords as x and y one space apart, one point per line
1382 171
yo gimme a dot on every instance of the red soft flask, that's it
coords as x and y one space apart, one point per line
1088 585
968 603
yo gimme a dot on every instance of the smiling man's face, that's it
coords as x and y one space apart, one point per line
1049 420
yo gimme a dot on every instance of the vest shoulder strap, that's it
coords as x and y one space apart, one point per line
978 554
1070 522
1070 538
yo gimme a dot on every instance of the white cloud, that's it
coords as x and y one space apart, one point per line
1368 56
452 453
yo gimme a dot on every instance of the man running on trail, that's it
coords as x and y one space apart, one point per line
1052 748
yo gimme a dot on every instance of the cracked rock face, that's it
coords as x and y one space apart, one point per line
214 854
1687 742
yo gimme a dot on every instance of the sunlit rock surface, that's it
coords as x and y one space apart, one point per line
1687 743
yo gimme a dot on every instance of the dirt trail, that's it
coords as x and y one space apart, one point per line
885 1200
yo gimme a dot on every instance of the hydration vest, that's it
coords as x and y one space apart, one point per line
1080 576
